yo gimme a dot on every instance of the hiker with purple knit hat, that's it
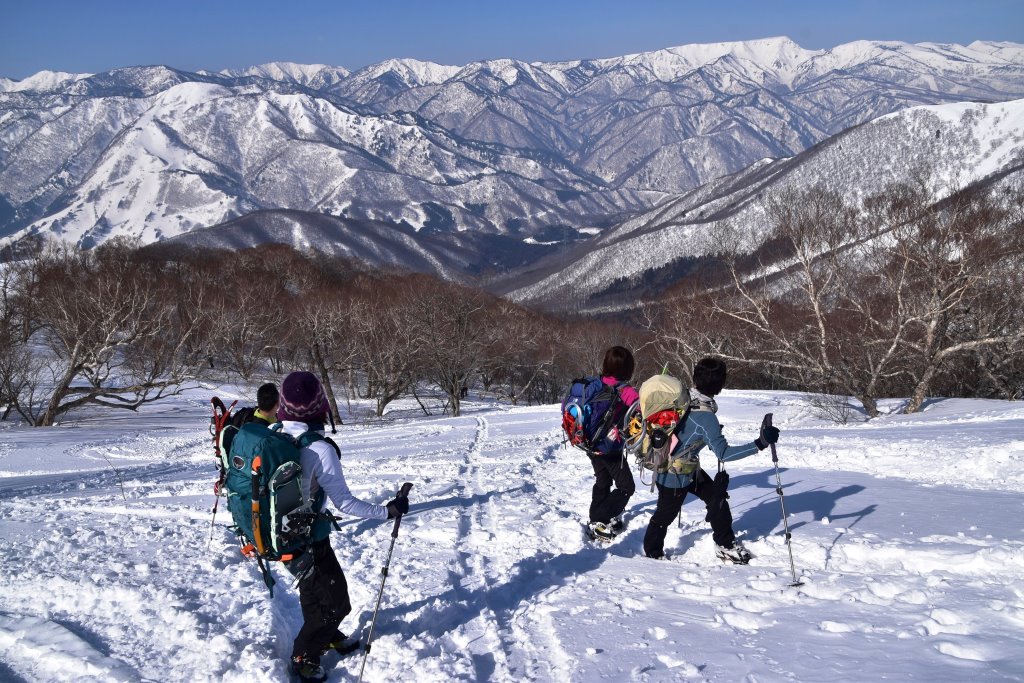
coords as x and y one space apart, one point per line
323 590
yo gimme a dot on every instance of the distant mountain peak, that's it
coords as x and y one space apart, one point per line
288 71
41 81
415 72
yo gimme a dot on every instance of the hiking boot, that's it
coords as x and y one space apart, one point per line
736 554
617 524
599 531
342 644
308 669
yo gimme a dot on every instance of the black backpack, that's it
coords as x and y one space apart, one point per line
238 418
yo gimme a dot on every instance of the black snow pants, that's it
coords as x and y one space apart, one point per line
670 501
323 595
604 502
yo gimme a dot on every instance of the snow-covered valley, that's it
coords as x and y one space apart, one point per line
907 534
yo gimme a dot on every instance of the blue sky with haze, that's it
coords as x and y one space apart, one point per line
93 36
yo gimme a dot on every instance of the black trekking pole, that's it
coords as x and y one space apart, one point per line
402 493
767 422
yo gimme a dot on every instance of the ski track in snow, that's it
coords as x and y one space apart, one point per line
109 571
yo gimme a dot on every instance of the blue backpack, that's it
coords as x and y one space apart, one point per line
589 412
262 481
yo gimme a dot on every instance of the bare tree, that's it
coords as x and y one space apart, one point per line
791 305
962 258
856 300
105 334
248 319
520 353
324 324
452 327
386 346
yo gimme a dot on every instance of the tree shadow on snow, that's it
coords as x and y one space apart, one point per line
928 403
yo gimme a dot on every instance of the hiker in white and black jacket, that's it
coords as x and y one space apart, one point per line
702 428
323 590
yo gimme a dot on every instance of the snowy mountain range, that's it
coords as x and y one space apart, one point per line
455 164
952 145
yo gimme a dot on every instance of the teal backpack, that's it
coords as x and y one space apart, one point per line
263 483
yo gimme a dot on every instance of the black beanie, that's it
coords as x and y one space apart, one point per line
709 376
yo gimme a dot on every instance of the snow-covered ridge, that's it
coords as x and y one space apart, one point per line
305 74
1013 53
778 55
413 72
41 81
783 58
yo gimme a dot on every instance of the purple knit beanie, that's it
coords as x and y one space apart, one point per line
302 399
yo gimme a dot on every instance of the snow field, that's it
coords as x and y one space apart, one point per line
906 534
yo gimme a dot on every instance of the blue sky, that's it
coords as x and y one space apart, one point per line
96 35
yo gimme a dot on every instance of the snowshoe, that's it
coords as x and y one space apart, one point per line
737 554
307 670
342 644
599 531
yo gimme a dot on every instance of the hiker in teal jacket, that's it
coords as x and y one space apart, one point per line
700 429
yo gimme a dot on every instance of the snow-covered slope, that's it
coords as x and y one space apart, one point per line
199 154
452 255
905 531
957 144
500 146
676 118
312 75
43 81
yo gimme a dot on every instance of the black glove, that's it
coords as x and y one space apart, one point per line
769 435
398 506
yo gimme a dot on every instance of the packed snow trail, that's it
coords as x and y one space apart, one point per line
907 532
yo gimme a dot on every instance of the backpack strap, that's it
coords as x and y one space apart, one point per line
311 437
337 450
609 417
305 440
684 418
308 437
